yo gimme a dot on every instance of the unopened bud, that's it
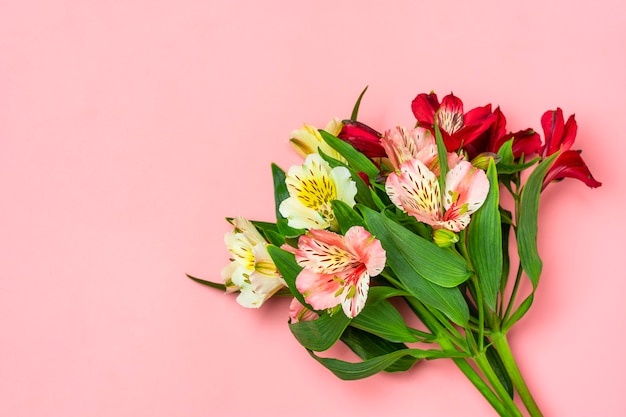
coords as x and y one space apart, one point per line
444 238
482 160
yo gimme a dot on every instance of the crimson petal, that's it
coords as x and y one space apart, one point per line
364 139
570 164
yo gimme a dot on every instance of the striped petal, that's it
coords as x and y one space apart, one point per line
415 189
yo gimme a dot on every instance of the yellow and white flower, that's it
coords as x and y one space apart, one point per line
251 271
307 140
312 186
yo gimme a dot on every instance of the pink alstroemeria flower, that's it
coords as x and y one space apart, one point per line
415 189
560 135
458 129
402 145
364 139
337 269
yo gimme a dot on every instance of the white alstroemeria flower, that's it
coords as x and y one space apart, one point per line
307 140
312 186
251 271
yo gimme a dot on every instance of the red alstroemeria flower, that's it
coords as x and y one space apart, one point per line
364 139
560 135
526 142
458 129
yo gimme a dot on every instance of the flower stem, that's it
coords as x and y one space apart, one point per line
501 344
485 367
445 340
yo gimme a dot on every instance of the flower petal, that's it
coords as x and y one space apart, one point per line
466 191
319 290
450 116
354 296
415 189
364 139
324 252
424 107
366 248
300 216
570 164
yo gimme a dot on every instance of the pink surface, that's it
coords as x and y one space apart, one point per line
130 129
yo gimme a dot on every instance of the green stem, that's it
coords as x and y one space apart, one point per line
443 339
501 344
487 370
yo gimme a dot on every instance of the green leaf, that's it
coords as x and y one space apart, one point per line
442 154
208 283
380 292
527 221
368 346
437 265
422 267
355 109
383 320
484 237
506 259
280 188
289 270
519 313
513 168
286 230
506 154
351 371
320 334
355 159
346 216
280 194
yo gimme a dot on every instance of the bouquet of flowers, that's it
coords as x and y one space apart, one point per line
372 228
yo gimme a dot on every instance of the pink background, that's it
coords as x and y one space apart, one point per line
130 129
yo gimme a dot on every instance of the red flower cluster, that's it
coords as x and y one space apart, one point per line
482 130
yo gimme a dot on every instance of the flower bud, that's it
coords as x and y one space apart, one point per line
482 161
444 237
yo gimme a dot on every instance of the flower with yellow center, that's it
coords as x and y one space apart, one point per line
308 140
251 271
312 186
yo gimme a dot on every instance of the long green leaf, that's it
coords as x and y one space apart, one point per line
355 159
418 264
355 109
437 265
485 241
527 221
320 334
383 320
289 270
368 346
351 371
280 188
208 283
346 216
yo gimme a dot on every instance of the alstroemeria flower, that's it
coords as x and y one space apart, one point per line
415 189
312 186
364 139
560 136
402 145
307 140
298 312
337 269
458 129
251 271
